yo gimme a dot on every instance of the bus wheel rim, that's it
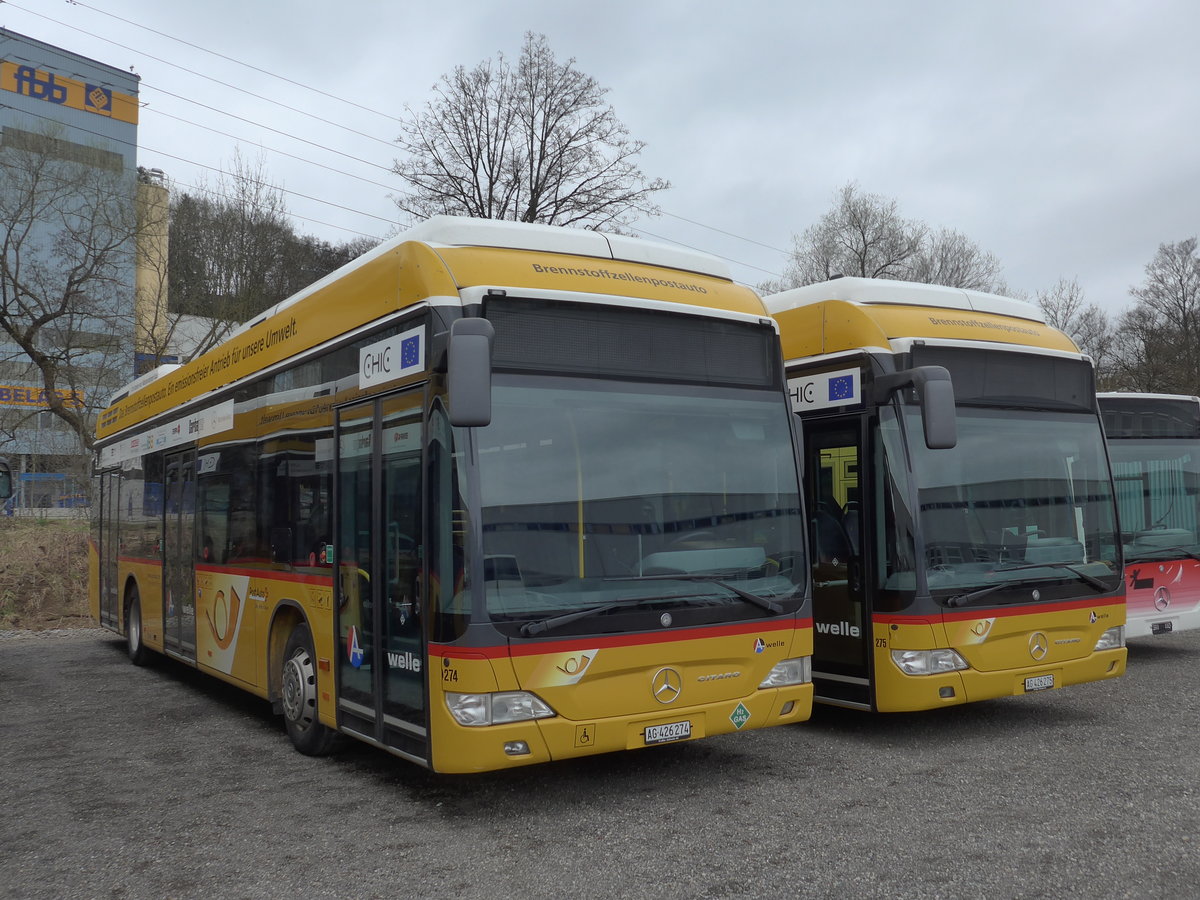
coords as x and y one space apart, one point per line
299 689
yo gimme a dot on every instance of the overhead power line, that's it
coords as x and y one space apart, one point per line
225 84
313 89
321 119
220 171
231 59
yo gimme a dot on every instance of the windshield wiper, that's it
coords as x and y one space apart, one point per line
964 599
529 629
1078 573
719 580
971 597
1151 552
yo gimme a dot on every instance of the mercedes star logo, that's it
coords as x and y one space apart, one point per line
1038 645
666 685
1162 599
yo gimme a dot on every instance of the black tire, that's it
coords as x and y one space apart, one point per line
298 696
135 646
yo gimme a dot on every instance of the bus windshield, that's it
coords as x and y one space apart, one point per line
612 499
1024 497
1158 491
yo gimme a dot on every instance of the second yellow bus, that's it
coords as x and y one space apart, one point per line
963 524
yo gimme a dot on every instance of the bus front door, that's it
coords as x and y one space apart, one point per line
110 510
842 631
179 594
380 536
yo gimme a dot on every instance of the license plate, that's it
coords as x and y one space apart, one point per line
1161 627
672 731
1039 683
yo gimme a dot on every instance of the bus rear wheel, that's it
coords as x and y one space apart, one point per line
298 696
134 643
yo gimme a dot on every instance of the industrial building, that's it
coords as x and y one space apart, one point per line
72 196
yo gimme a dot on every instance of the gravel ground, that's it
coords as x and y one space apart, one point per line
120 782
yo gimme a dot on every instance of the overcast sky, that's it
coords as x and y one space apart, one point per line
1060 136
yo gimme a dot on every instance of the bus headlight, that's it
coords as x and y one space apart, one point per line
1112 639
496 709
928 662
789 671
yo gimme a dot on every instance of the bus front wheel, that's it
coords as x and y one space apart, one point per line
298 696
134 643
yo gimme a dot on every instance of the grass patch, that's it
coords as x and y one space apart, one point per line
43 573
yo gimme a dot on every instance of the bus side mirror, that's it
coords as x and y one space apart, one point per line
935 392
469 372
6 483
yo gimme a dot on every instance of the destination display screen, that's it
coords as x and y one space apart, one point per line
631 343
1137 416
1002 378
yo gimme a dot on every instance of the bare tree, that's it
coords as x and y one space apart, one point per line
67 241
227 243
1139 363
950 258
234 252
865 235
1067 309
1159 339
530 143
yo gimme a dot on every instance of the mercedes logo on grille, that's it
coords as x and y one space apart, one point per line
1162 599
1038 645
666 685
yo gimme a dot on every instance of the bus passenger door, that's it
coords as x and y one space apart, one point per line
379 531
179 514
110 511
842 627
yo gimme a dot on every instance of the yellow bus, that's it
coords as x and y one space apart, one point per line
963 526
479 498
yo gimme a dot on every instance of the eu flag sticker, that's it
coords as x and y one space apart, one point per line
825 390
410 352
841 387
393 357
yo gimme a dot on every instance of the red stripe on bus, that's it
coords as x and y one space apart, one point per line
268 575
499 651
983 612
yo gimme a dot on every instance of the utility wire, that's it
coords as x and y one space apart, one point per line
315 90
325 121
242 140
226 84
239 62
267 127
221 171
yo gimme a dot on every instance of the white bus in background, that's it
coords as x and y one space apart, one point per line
1154 445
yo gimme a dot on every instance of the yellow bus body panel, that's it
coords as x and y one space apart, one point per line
997 649
603 696
147 576
405 275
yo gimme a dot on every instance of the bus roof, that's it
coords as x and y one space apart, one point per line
434 260
458 231
860 313
1135 395
872 291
